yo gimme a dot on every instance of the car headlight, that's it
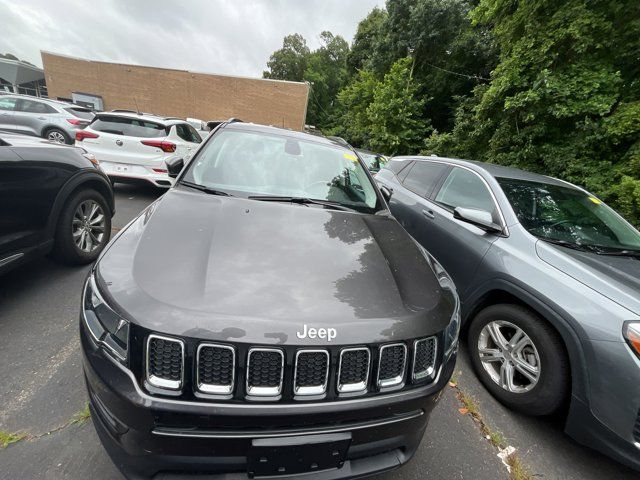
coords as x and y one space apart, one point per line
631 333
107 328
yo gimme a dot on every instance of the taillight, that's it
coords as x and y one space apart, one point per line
82 134
75 121
160 170
161 144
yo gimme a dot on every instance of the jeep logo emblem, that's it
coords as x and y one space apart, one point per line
328 333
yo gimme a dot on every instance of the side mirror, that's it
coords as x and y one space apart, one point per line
477 217
174 166
386 192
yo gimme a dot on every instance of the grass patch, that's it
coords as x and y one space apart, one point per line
470 404
518 470
81 416
7 438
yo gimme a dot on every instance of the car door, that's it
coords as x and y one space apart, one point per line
31 115
7 107
409 201
457 245
27 190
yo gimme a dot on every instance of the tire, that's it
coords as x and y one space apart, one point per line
543 348
79 249
57 135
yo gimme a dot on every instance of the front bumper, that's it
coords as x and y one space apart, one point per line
145 435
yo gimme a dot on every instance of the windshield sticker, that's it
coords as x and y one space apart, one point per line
595 200
351 157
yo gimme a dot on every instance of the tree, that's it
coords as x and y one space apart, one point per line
290 62
354 122
564 98
327 73
451 55
397 124
367 37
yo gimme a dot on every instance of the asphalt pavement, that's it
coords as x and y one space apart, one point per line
43 396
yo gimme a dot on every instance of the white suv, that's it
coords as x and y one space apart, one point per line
133 147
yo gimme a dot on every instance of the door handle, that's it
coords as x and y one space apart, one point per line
429 214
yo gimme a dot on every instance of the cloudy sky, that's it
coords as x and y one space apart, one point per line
216 36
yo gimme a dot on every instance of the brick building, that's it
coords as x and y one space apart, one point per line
177 93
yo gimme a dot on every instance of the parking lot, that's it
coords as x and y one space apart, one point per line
43 397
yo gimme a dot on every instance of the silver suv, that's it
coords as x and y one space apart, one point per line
50 119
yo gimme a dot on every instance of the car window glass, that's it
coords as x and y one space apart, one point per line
132 127
187 133
7 103
463 188
251 163
195 136
80 113
422 177
565 213
396 166
30 106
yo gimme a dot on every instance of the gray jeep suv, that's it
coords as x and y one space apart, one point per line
292 327
549 282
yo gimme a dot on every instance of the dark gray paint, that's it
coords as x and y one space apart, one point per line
226 268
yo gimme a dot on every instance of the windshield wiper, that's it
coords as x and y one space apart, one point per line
202 188
621 253
574 246
301 201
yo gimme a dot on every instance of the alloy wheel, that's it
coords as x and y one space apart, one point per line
509 356
88 226
55 137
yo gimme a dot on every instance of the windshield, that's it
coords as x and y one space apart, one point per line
567 214
251 163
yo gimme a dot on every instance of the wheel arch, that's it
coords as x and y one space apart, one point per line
506 292
81 180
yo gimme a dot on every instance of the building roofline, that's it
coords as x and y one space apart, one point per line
173 69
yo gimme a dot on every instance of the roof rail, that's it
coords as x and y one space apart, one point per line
234 120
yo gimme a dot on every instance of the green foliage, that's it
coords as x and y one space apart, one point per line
367 37
547 86
564 99
397 125
354 122
290 62
327 73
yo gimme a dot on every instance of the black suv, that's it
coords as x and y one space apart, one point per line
52 198
266 317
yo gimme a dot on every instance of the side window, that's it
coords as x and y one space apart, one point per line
7 103
188 133
423 176
463 188
193 133
30 106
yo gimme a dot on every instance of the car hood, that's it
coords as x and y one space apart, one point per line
617 278
227 268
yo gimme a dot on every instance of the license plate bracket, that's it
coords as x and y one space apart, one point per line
293 455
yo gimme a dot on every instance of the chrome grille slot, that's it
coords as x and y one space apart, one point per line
636 428
353 371
391 365
265 368
424 358
165 362
216 368
311 373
